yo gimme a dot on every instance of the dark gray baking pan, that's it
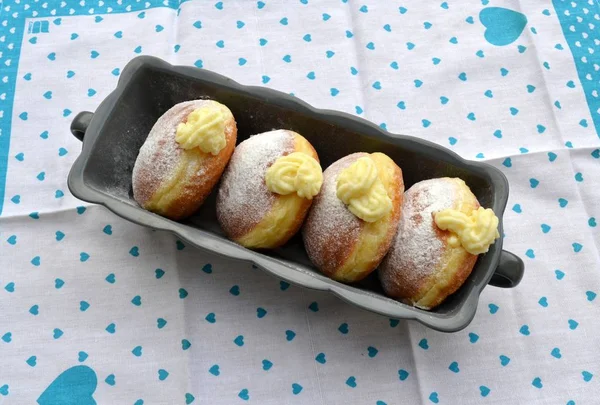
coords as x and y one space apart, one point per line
113 135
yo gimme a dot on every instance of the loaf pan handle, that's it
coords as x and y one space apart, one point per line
509 271
80 124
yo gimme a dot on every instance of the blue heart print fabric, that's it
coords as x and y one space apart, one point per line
97 310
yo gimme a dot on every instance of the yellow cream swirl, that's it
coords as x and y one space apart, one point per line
295 173
475 232
356 180
359 187
204 129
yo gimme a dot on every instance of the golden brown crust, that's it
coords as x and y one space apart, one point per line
339 244
174 182
305 203
296 224
397 196
461 273
247 211
198 187
421 268
331 232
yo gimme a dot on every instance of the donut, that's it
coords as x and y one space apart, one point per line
268 189
183 158
442 230
353 220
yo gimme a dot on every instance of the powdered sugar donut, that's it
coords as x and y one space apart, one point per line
427 263
338 242
183 158
267 189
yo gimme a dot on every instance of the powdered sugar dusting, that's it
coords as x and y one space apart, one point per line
417 249
330 224
243 198
159 155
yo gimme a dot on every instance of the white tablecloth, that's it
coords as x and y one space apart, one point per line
136 317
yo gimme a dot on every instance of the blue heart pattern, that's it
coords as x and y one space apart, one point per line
244 394
110 379
503 26
163 374
74 386
239 341
403 374
82 356
492 19
261 312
